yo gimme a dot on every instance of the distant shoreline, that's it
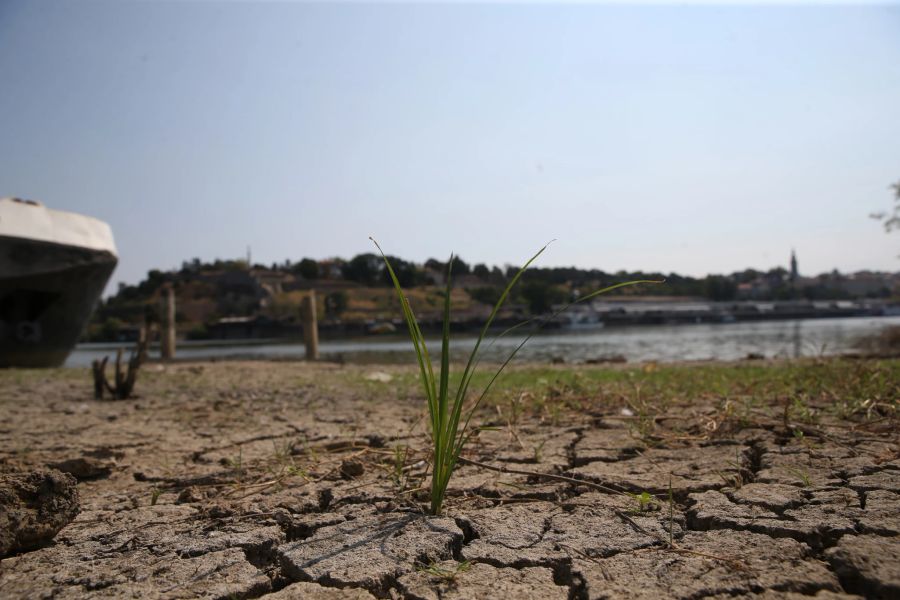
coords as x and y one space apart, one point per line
653 343
615 315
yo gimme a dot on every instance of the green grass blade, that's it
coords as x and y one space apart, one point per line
440 436
418 340
423 359
445 348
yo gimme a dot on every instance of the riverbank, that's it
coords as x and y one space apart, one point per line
241 479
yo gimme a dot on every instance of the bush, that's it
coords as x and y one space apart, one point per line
111 329
541 296
486 295
307 269
336 303
198 332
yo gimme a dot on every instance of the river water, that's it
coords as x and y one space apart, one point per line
664 343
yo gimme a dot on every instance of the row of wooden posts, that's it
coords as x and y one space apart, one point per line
123 382
167 325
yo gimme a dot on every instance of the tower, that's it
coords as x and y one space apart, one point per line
794 273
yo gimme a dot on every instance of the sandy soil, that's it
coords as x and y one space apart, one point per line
288 480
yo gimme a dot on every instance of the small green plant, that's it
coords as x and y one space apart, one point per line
449 426
310 450
398 471
554 412
539 450
800 474
282 465
154 495
736 480
644 501
802 411
237 463
447 574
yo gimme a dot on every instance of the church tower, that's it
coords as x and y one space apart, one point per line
794 273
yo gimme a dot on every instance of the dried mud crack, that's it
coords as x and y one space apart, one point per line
279 480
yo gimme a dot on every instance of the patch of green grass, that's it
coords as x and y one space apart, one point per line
644 502
446 574
398 466
282 465
843 387
800 474
836 388
733 479
538 450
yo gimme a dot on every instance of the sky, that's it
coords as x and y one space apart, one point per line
692 139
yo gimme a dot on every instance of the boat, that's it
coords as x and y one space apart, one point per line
378 328
53 267
581 317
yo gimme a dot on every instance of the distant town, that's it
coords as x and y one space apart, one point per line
236 299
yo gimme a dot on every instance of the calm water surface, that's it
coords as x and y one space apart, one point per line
665 343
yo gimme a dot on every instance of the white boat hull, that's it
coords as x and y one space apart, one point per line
53 268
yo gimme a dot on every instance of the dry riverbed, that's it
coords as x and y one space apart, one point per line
288 480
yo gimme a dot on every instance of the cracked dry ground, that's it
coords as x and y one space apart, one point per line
280 480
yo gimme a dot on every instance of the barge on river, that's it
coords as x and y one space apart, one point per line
53 268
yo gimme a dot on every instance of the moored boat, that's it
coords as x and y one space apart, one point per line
53 268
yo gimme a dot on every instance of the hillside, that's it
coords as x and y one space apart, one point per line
229 299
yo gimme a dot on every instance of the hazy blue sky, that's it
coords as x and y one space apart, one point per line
696 140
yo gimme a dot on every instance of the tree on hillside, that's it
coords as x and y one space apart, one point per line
720 288
436 265
336 303
891 219
541 296
486 294
747 275
307 268
460 267
155 278
364 269
406 272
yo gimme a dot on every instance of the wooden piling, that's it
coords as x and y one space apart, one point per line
167 324
99 369
310 326
142 342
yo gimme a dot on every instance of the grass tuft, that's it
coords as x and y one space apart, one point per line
450 431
